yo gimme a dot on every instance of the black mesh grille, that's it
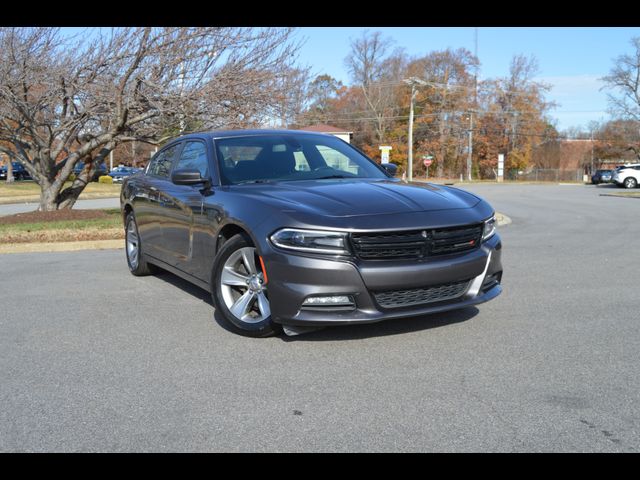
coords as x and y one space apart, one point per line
421 296
416 243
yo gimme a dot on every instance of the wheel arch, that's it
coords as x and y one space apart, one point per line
229 231
126 210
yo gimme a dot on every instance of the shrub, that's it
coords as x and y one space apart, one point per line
105 179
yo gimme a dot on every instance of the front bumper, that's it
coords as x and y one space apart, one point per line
292 278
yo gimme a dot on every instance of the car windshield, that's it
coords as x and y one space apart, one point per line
264 158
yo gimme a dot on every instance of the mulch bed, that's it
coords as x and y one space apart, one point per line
56 216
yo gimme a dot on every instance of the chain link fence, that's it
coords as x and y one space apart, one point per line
545 175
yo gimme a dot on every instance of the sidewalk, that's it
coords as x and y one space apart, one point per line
13 208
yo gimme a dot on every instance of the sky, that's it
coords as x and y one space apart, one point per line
571 59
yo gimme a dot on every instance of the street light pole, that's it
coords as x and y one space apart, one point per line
413 81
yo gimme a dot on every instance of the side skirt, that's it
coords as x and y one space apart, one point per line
176 271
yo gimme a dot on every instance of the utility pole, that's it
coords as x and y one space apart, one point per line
413 81
470 149
591 171
475 103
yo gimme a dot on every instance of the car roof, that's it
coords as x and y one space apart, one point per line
243 133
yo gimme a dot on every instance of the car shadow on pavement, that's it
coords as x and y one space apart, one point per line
340 332
194 291
185 286
386 327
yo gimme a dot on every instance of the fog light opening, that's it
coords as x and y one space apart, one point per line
328 302
491 281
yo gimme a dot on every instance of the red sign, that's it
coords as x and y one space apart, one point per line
427 162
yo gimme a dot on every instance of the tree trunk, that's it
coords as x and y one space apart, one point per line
53 197
48 198
9 171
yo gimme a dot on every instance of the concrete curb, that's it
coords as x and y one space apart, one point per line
619 195
61 246
502 219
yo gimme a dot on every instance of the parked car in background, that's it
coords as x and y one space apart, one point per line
627 176
118 174
19 172
290 229
100 171
601 176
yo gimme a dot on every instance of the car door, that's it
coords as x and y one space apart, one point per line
184 210
151 201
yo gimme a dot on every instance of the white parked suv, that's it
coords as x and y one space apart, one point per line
627 176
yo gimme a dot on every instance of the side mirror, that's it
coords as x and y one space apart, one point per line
187 176
391 168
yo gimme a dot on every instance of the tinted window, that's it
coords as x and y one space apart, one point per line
291 158
194 157
160 166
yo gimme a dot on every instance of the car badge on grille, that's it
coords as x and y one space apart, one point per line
424 233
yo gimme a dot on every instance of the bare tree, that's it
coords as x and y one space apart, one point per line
378 75
624 80
293 97
65 100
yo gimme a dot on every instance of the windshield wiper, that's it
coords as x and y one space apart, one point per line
332 176
260 180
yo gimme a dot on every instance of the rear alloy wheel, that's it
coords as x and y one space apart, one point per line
135 258
630 182
240 290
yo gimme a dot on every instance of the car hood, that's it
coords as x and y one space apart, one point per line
349 198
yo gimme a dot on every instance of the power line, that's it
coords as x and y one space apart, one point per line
450 112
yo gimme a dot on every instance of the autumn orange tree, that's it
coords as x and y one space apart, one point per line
504 115
514 119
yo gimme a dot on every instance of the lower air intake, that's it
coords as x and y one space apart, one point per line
421 296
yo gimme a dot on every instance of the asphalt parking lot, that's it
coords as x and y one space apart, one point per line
94 359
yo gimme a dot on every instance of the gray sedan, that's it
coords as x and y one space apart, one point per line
295 229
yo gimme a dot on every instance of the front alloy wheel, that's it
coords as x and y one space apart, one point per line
240 292
630 182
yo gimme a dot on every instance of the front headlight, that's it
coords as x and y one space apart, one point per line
489 228
316 241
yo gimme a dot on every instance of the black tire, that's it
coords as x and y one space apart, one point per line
630 182
257 327
138 266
